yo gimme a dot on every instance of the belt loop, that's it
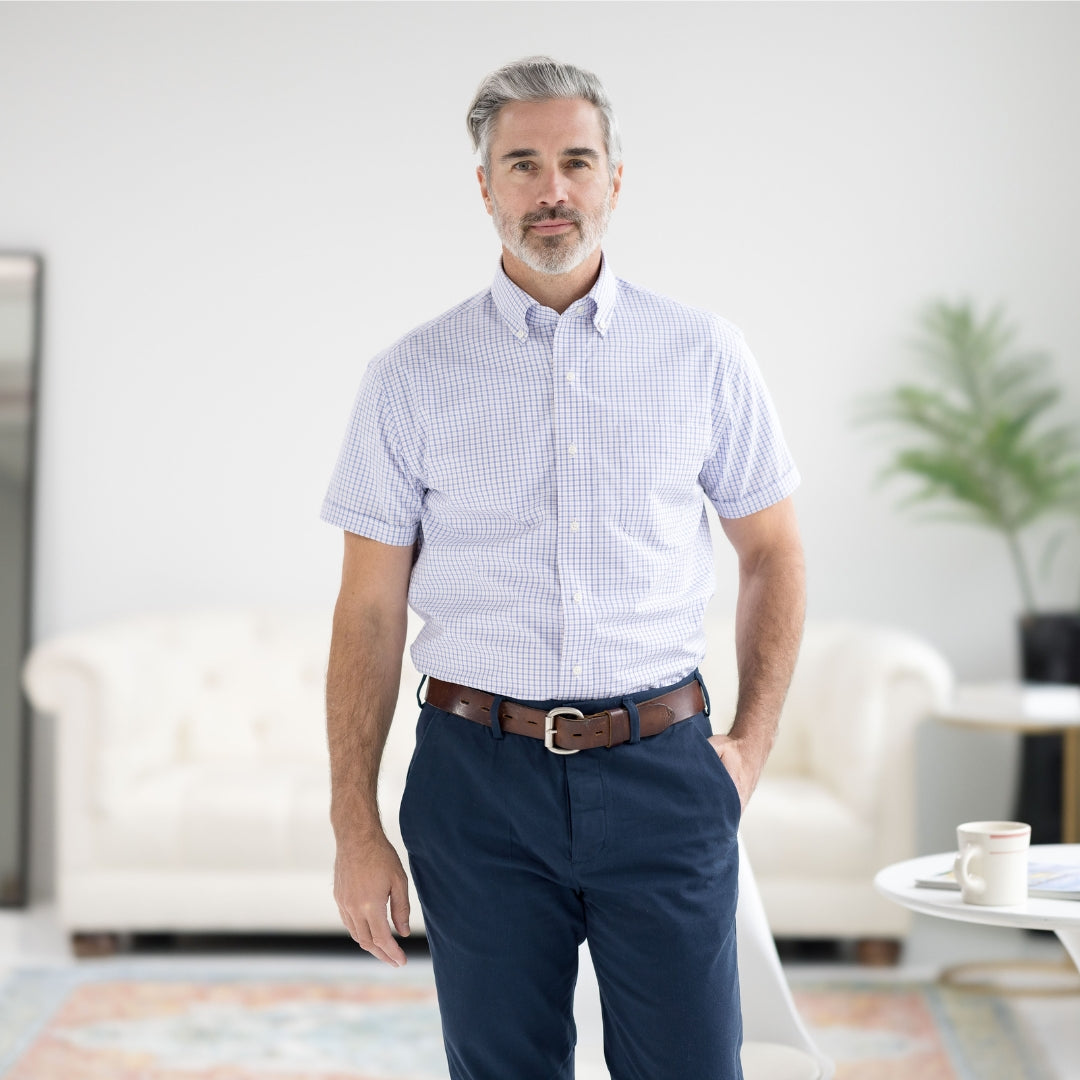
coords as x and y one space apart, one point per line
704 692
635 721
496 725
420 686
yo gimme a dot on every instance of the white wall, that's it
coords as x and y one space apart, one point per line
240 203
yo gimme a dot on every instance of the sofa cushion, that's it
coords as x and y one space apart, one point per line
221 815
797 828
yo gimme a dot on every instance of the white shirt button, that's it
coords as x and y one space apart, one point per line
570 376
574 526
577 597
577 669
572 449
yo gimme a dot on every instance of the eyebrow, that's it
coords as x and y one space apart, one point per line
573 151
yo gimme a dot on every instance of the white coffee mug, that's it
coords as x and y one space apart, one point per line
992 864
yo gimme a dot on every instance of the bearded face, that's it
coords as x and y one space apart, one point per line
547 183
541 244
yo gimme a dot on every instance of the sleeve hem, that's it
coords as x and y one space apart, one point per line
760 499
364 525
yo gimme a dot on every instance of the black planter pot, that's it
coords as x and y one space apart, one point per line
1050 648
1050 653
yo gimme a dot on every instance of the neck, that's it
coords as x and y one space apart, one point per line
556 291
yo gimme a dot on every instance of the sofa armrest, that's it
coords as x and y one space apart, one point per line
66 678
874 687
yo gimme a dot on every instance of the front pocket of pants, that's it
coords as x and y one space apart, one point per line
429 719
715 765
427 729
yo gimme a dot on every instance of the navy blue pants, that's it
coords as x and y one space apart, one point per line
519 854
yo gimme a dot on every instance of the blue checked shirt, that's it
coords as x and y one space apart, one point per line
554 468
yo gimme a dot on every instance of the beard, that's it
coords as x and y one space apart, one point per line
553 254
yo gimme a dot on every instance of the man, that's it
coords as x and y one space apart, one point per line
544 447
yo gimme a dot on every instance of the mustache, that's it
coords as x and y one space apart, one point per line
553 214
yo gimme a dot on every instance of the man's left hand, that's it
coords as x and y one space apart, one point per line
743 760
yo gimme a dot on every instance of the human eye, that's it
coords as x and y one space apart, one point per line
522 166
577 163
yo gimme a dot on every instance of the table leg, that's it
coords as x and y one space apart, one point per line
1070 788
1071 940
979 978
1015 978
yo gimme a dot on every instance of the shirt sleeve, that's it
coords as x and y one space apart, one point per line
749 467
374 490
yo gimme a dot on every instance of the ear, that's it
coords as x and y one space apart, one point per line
484 193
616 187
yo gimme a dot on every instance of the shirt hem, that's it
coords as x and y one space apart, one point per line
524 697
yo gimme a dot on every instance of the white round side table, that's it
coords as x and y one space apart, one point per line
897 883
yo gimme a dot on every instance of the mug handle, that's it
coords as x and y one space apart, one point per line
972 883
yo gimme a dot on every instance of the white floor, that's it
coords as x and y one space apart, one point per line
33 938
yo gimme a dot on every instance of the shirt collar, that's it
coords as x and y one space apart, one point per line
513 303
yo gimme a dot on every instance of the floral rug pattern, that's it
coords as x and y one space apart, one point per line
154 1020
918 1030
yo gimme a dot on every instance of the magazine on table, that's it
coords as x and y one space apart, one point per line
1051 881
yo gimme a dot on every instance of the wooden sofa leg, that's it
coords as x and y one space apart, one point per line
85 946
877 952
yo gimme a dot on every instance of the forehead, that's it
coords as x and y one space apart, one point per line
550 126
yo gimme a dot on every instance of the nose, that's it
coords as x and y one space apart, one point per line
553 188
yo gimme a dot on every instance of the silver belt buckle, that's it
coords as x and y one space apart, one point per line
549 727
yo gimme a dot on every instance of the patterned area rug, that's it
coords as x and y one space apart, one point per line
898 1031
139 1019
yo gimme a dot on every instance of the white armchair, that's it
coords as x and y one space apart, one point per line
192 778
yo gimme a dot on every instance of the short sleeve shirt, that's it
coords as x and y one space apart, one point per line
554 469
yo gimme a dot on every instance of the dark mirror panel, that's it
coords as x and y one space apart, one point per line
20 321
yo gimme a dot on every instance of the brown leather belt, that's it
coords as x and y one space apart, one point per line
564 729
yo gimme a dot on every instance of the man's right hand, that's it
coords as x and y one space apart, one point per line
367 873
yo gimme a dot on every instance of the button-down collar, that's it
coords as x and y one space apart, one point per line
513 303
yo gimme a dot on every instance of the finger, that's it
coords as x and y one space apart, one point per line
365 937
362 937
399 907
383 939
380 955
389 949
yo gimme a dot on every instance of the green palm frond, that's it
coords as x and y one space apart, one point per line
980 440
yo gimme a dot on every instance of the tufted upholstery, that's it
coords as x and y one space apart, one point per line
193 782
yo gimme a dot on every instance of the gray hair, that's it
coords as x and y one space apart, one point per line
539 78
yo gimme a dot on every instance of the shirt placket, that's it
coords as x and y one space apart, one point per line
574 451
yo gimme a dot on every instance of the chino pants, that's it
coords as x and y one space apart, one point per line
519 854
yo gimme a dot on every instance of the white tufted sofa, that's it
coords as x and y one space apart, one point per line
192 777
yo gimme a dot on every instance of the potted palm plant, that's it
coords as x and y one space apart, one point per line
978 437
